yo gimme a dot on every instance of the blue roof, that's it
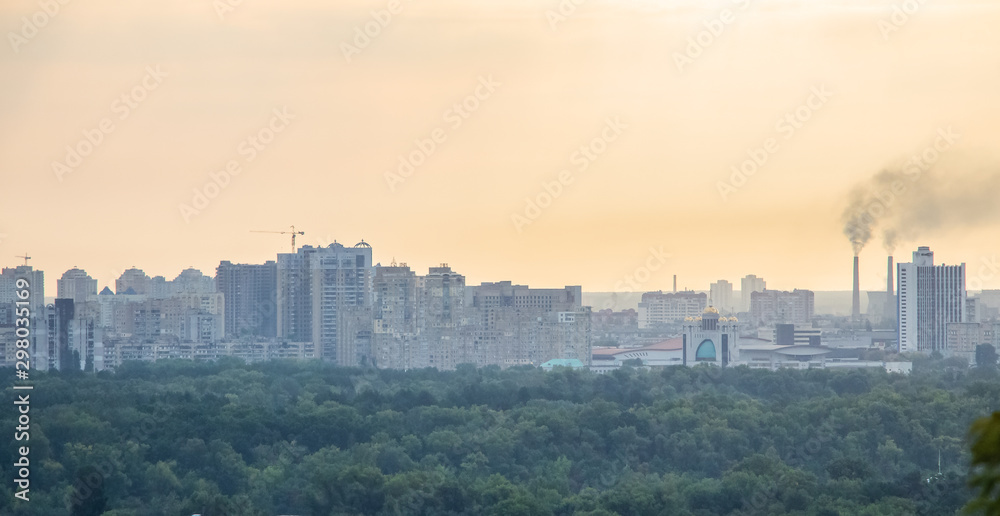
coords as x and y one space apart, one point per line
564 362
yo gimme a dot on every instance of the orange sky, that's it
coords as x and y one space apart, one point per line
556 82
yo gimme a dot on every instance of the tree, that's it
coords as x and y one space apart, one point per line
986 356
985 476
91 501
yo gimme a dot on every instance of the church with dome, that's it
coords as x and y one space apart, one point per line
710 339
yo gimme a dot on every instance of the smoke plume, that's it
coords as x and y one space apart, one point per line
907 202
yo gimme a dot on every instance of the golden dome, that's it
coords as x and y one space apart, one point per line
689 319
733 319
711 310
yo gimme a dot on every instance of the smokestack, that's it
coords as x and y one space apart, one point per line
890 306
675 283
888 279
856 302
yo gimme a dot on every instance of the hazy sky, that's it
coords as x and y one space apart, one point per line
875 89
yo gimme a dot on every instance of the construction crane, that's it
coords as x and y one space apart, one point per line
292 232
26 258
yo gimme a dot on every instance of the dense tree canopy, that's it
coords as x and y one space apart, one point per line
179 438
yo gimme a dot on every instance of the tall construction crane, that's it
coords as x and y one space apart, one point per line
292 232
26 258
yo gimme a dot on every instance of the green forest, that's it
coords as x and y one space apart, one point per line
304 438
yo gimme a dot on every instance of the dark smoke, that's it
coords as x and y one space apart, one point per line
907 202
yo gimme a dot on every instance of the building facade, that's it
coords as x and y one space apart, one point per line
77 285
250 292
321 289
658 308
710 339
721 293
748 285
780 307
930 297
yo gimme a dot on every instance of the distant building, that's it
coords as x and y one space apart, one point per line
36 303
192 281
658 308
779 307
965 337
395 340
60 317
133 281
749 285
324 293
711 339
792 335
250 292
930 297
442 312
721 294
509 325
77 285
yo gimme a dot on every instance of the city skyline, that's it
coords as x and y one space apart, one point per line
246 107
655 283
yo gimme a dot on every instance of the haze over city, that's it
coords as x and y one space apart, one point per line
872 93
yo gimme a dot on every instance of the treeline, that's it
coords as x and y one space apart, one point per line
182 438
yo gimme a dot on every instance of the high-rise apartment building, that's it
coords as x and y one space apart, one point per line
779 307
930 297
749 285
441 313
9 296
133 281
658 308
396 325
77 285
324 295
191 281
250 293
721 296
512 325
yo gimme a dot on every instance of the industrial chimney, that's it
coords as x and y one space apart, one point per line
890 305
856 300
888 279
675 283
